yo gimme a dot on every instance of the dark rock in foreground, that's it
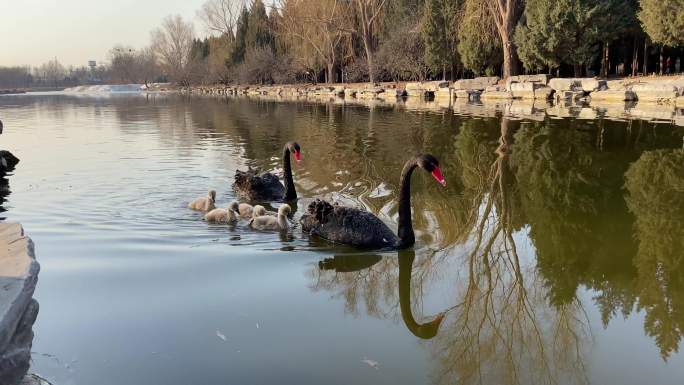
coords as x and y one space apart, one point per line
18 310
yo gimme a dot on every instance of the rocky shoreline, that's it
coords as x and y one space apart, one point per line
668 90
528 96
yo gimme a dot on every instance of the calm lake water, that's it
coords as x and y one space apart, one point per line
554 256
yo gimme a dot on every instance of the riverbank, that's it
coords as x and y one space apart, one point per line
19 91
657 89
534 97
13 91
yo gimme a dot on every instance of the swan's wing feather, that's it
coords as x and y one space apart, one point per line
255 186
347 225
267 186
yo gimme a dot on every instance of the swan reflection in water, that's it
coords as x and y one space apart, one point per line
352 263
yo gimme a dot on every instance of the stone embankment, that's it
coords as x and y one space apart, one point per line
528 97
667 90
18 310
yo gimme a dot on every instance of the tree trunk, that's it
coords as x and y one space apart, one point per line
645 56
369 59
506 14
578 70
635 58
660 62
604 62
367 38
510 64
367 18
330 74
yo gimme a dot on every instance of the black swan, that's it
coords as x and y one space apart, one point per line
7 161
360 228
267 186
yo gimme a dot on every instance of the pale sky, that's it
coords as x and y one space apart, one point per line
75 31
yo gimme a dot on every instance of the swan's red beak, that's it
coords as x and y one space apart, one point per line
298 156
437 174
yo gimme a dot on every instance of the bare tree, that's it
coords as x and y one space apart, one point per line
506 14
217 61
52 72
220 16
369 10
130 66
122 62
320 24
146 65
172 44
15 77
503 326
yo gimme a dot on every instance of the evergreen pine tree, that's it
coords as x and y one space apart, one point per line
258 32
238 55
439 34
478 46
663 21
540 35
558 31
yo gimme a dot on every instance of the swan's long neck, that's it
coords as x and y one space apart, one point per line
290 192
405 230
282 221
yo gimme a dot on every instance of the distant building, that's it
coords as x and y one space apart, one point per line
93 77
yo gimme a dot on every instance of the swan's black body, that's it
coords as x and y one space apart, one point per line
7 160
347 225
362 229
266 186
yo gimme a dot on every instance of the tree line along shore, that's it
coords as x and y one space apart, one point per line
349 41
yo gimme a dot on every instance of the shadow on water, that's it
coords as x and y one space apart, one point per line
349 263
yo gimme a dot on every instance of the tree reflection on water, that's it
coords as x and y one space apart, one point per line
594 207
503 331
535 213
655 188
